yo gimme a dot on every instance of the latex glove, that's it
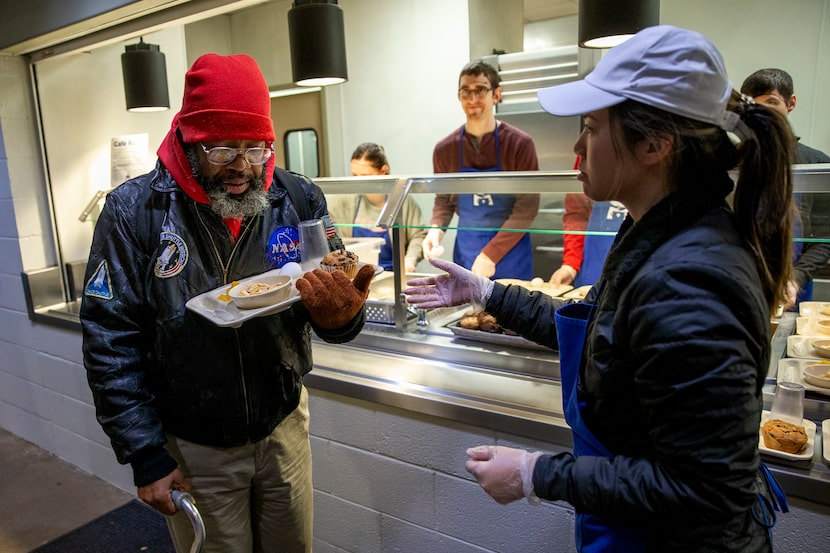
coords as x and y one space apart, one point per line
483 266
157 494
410 263
432 243
563 275
790 294
457 287
505 473
332 299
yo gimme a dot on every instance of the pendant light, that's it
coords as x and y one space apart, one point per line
606 23
318 43
145 77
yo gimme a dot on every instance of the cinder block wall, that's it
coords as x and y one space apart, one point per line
389 480
392 480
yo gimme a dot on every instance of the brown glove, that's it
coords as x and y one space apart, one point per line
332 300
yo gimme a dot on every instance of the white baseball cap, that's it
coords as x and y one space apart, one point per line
666 67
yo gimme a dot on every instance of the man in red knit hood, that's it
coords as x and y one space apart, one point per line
211 400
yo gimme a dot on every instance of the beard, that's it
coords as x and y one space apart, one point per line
250 203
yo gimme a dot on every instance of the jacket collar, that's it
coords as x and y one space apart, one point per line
636 242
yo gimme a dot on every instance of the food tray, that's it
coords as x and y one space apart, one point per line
814 309
805 455
806 326
790 370
801 347
226 314
495 338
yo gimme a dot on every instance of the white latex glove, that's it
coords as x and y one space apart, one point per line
409 264
483 266
457 287
432 243
790 295
563 275
505 473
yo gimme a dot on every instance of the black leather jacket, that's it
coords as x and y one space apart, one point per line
156 367
673 368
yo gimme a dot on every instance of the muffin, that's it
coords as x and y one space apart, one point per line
340 260
784 436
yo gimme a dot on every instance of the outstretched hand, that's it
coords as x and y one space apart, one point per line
458 286
332 299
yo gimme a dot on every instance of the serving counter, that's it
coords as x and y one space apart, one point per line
414 361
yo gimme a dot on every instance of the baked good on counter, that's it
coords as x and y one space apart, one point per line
784 436
480 320
340 260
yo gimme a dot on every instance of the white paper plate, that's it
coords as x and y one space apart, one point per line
791 370
226 314
806 454
825 439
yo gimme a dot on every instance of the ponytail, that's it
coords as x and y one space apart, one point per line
763 204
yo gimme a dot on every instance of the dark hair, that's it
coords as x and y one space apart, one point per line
702 155
476 68
373 153
767 81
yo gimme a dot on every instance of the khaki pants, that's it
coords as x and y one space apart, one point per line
257 498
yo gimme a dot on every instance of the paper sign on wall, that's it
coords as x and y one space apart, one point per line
128 157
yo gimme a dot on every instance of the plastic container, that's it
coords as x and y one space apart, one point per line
367 249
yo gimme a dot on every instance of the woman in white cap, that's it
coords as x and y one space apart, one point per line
664 363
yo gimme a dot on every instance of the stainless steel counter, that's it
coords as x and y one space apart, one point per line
429 370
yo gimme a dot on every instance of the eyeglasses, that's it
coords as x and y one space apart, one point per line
222 155
477 92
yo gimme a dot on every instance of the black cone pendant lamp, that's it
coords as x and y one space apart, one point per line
606 23
145 77
318 43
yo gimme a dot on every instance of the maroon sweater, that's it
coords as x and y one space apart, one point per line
518 153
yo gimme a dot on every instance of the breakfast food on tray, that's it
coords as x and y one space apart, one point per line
340 260
483 321
224 295
254 288
784 436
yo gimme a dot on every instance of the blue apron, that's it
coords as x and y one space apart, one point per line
596 534
385 254
605 217
805 293
488 211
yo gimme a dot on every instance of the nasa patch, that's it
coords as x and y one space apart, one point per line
173 256
283 246
99 284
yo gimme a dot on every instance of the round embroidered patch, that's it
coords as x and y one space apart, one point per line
173 256
283 246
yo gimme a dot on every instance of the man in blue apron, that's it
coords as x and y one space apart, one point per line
488 242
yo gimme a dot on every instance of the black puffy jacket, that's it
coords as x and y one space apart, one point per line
672 373
156 367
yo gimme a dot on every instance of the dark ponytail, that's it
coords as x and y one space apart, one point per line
703 154
763 204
